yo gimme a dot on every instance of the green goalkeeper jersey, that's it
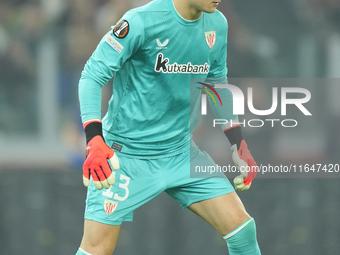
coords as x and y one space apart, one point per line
153 53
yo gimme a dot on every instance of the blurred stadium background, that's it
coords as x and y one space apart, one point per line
44 45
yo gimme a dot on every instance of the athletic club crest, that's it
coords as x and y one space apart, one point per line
110 206
210 38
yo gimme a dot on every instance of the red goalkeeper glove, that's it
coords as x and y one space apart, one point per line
97 156
242 158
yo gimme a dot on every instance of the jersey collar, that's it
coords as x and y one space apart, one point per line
180 19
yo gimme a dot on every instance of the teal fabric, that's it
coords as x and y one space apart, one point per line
244 242
149 113
79 252
139 180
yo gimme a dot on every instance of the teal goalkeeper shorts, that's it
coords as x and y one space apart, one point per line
140 180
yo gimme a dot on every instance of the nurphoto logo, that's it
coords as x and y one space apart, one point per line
239 104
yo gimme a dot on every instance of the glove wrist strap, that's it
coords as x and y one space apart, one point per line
234 135
93 129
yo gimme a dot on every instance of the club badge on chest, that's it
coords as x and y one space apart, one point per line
210 38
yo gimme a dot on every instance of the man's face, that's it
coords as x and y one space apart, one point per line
208 6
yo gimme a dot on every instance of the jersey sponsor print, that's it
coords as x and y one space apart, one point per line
162 65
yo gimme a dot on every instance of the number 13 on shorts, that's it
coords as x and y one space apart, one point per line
123 184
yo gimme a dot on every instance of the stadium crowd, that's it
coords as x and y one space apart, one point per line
257 48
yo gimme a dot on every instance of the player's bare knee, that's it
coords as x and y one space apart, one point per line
98 245
234 222
242 216
100 248
99 238
238 216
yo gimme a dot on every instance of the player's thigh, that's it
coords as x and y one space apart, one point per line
137 182
224 213
99 238
188 188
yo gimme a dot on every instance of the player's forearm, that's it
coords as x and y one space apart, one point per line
224 111
234 135
90 99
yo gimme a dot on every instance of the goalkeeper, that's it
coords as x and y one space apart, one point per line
143 145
